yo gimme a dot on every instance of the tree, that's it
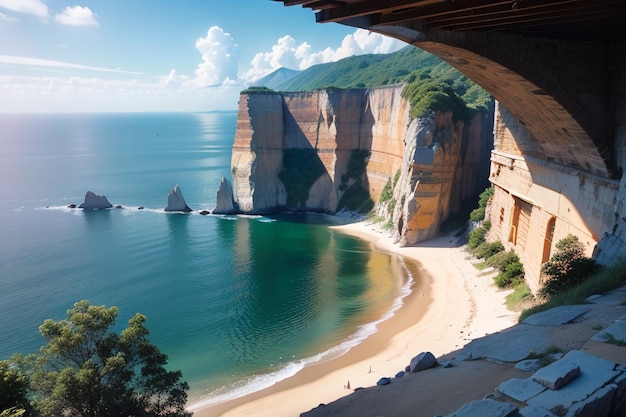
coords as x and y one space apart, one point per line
85 370
13 388
567 268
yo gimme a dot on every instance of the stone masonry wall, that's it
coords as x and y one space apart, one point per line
537 203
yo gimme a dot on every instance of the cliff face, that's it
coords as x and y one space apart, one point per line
333 149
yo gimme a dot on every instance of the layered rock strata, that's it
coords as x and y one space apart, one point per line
333 149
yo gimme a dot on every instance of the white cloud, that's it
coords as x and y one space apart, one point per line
220 55
38 62
35 7
76 16
287 53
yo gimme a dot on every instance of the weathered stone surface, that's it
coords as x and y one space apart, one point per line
615 332
557 316
498 346
424 360
595 373
558 374
529 365
176 201
520 390
486 408
225 204
598 404
95 201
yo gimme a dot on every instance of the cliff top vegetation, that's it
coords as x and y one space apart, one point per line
431 83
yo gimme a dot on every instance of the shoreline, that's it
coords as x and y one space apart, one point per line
448 306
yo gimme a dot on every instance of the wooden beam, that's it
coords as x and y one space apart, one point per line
370 7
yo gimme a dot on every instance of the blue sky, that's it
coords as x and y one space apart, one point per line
157 55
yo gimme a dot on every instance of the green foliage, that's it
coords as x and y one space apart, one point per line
520 296
257 89
547 356
487 250
477 236
387 193
613 340
567 267
301 168
87 370
13 389
12 412
603 280
433 84
362 71
511 274
478 214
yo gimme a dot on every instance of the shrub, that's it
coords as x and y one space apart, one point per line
511 269
488 249
511 274
567 267
478 214
477 236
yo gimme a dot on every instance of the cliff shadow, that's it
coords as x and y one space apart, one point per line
352 157
303 173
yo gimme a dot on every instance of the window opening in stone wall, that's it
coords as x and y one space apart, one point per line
520 223
547 243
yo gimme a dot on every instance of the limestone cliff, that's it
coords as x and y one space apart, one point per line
333 149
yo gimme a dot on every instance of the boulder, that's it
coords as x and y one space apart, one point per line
384 381
225 202
424 360
95 201
176 201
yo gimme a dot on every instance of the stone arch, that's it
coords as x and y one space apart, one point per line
539 82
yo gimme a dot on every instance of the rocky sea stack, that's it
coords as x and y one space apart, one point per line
95 201
176 201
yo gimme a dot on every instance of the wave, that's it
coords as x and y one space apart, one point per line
257 383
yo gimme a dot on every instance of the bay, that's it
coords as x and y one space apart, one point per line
236 302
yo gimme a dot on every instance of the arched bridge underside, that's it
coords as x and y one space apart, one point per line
555 65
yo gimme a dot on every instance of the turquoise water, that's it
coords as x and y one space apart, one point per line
236 302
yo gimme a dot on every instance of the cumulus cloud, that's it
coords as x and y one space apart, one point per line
220 55
35 7
76 16
288 53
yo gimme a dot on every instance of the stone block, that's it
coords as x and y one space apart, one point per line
520 390
595 373
557 374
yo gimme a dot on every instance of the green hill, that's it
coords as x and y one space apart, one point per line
431 83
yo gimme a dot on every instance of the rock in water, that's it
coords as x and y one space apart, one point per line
225 202
176 201
95 201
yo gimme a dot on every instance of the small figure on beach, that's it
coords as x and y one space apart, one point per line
370 371
348 385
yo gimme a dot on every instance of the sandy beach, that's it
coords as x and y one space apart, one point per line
452 305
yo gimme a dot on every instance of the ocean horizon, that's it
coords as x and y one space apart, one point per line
237 303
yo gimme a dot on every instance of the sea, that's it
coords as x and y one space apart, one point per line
237 303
